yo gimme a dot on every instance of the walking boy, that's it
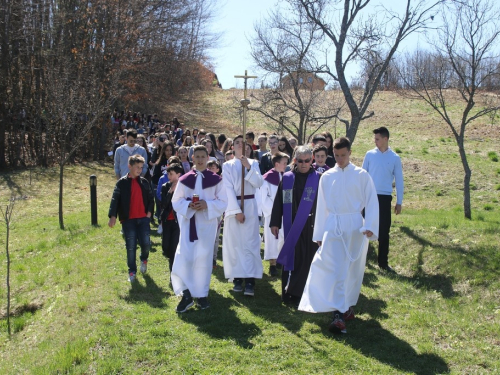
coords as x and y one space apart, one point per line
320 154
384 167
133 203
272 244
337 270
170 224
241 241
198 200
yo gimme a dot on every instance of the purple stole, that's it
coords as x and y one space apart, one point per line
293 230
189 179
322 169
272 177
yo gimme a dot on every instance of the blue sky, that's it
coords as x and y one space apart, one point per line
235 19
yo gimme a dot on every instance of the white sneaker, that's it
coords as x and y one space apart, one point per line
144 266
131 277
160 229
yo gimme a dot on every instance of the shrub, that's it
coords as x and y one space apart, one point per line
488 207
398 150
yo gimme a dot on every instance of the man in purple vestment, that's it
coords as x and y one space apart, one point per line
295 203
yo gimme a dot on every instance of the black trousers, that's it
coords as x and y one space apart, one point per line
385 209
170 240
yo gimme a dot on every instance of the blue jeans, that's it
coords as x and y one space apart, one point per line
136 230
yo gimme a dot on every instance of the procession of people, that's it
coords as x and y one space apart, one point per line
318 211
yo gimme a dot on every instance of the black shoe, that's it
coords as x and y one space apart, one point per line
249 290
186 302
238 285
273 271
338 324
387 269
203 303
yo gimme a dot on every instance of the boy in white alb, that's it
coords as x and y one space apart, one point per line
241 240
272 178
192 267
337 270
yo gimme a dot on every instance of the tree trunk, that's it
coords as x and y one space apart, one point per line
467 176
352 129
61 184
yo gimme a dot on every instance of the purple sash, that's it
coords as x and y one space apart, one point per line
293 230
189 179
273 177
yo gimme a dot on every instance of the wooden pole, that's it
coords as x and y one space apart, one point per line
244 103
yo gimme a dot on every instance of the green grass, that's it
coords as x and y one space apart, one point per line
74 311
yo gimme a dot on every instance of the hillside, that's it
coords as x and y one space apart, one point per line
75 313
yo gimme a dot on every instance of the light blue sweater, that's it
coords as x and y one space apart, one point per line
122 154
384 168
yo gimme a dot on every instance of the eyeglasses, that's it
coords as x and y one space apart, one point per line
300 161
273 143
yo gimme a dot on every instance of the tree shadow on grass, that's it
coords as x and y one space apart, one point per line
373 341
14 187
421 280
370 339
150 293
221 322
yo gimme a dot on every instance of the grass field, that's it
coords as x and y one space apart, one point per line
74 311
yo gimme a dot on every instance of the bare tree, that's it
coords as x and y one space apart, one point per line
371 40
284 46
463 57
7 217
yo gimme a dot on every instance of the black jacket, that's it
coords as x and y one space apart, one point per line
166 201
120 202
265 163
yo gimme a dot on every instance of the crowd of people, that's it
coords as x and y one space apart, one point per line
317 209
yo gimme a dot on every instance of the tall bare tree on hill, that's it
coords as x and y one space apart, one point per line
371 39
285 46
464 59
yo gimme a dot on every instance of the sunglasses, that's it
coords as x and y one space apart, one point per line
161 139
273 143
303 161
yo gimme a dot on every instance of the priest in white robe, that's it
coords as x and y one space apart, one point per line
241 238
337 270
192 266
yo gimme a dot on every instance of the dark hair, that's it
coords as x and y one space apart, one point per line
238 136
221 138
250 134
330 149
318 138
288 148
132 133
251 156
204 142
277 157
342 142
212 138
200 148
135 159
176 168
383 131
320 148
162 152
174 159
212 163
